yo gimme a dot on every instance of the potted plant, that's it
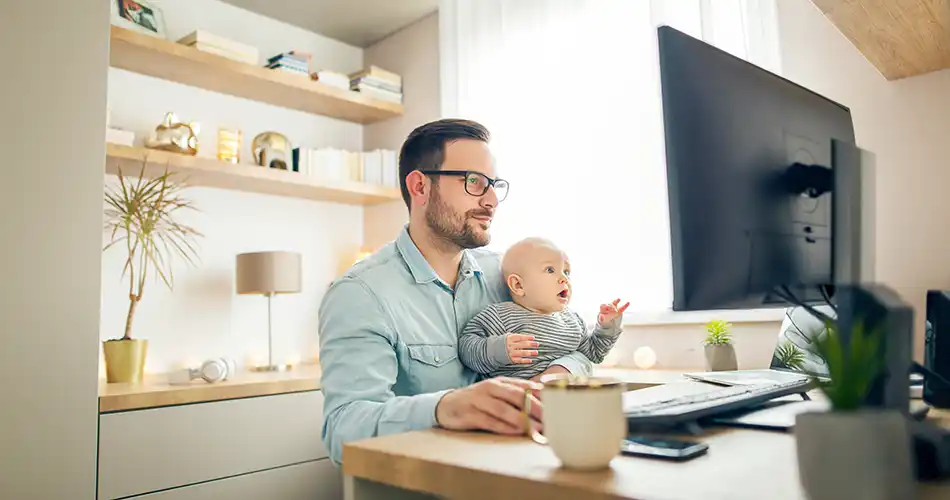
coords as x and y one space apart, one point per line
719 351
790 356
852 451
140 221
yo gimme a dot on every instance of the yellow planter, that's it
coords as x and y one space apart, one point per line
125 359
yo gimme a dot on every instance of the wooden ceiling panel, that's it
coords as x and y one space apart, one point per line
901 38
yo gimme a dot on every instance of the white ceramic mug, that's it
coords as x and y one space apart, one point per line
583 419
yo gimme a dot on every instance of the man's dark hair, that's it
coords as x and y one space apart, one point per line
424 149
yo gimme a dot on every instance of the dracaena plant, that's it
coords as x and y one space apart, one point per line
853 366
140 218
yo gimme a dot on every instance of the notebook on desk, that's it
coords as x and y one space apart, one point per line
794 356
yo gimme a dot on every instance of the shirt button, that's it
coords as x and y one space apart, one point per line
436 359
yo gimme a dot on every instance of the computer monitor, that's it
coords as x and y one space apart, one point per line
767 201
937 348
740 227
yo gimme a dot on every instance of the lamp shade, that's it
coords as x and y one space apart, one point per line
268 273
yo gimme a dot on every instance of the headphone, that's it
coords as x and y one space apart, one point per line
212 370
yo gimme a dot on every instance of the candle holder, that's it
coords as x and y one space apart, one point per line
229 145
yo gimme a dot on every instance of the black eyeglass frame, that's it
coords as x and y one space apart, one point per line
490 183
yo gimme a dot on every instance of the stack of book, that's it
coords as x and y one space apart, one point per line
294 62
377 83
378 167
209 42
333 79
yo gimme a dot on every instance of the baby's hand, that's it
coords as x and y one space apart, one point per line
610 312
520 348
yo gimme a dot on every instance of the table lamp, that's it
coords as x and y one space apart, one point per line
268 274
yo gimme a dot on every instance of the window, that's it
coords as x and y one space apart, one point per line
570 91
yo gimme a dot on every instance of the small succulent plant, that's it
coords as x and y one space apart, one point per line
717 332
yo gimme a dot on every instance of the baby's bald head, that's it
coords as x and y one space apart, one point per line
537 273
525 252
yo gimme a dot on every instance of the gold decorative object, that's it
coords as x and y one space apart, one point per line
125 360
229 145
140 219
271 150
175 136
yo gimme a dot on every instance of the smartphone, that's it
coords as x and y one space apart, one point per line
670 449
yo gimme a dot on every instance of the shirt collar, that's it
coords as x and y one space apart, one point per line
419 266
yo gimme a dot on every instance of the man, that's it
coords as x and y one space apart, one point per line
389 327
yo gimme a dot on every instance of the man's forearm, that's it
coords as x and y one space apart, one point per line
365 419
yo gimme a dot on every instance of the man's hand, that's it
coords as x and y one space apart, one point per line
521 348
491 405
610 312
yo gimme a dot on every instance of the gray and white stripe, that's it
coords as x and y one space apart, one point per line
482 342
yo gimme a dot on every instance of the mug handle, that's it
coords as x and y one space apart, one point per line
528 429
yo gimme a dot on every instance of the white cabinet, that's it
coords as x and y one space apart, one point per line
245 444
317 480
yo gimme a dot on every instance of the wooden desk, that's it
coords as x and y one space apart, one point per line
437 463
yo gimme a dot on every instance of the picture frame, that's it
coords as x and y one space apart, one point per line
141 16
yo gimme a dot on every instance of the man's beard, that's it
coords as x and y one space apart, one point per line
452 227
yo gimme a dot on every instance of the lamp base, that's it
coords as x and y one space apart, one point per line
272 368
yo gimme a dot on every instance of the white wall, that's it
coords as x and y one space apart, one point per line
412 52
680 346
906 124
51 184
203 317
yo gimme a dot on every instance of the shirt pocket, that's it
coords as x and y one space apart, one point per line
434 367
431 355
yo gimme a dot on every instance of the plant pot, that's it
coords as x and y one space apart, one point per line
862 454
720 357
125 360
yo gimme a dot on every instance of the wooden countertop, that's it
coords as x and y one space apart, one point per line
740 464
155 391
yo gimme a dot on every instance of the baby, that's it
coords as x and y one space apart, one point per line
521 338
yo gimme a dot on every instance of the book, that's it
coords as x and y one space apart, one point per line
377 83
290 56
333 79
378 73
377 93
209 42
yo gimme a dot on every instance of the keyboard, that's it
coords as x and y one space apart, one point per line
693 407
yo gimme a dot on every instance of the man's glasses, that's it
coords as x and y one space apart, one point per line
476 184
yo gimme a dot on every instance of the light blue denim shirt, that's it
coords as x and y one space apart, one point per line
389 331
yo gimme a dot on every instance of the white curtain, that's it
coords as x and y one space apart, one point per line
570 92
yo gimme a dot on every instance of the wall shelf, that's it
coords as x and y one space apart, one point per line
179 63
205 172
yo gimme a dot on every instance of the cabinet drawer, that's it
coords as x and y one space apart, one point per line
319 480
147 450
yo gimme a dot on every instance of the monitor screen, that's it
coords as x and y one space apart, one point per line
795 349
742 223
